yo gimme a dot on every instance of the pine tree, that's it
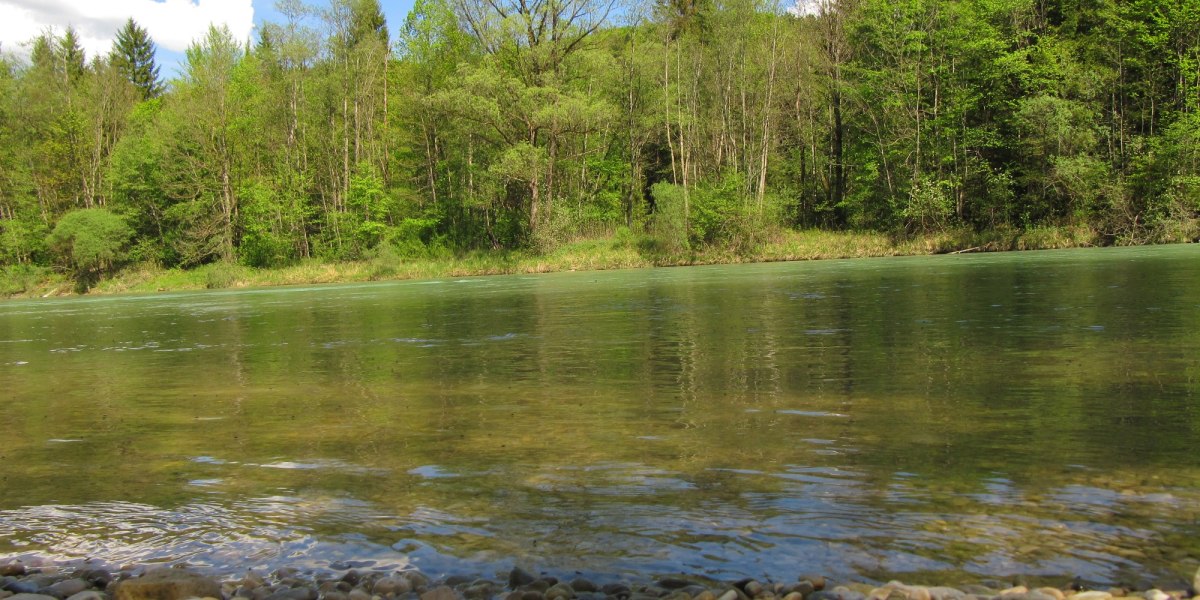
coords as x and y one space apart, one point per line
133 54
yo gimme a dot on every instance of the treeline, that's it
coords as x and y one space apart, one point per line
499 124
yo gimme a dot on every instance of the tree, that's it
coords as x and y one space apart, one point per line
133 55
92 240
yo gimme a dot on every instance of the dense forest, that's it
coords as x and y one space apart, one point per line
503 124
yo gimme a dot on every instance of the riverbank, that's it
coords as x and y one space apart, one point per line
36 579
601 253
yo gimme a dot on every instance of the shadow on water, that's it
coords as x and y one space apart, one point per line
945 418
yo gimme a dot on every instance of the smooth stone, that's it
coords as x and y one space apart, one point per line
358 594
1016 589
817 581
392 585
88 595
335 595
580 584
22 587
694 590
705 595
838 593
729 595
794 596
616 589
440 593
1049 591
167 584
14 569
480 590
942 592
1102 596
753 588
31 597
677 595
532 595
1154 594
804 587
539 586
518 577
294 594
67 588
559 591
1196 582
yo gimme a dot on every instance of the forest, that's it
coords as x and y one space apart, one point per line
500 125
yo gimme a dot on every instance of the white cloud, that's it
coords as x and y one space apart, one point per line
810 8
173 24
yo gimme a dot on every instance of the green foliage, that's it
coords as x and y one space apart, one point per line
699 127
133 55
91 240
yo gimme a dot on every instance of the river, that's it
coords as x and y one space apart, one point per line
948 418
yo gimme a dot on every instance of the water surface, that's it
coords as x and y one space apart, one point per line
941 419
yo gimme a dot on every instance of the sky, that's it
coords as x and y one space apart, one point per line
173 24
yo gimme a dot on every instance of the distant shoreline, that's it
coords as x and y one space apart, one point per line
588 254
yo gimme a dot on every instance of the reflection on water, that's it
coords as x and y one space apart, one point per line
948 418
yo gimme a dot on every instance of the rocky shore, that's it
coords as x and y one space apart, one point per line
38 580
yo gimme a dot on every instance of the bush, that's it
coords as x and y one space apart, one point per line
92 240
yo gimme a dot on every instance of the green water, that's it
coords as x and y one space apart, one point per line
942 419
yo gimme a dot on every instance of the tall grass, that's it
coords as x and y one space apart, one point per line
621 248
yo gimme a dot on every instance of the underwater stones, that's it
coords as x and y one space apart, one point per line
582 585
13 569
392 586
31 597
1096 596
559 591
618 590
66 588
518 577
817 581
442 592
88 595
167 584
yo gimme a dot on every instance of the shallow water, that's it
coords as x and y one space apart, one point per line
940 419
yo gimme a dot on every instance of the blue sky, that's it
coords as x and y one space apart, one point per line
264 12
173 24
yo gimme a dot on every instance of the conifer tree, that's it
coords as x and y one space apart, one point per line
133 55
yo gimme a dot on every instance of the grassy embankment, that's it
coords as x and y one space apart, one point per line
616 252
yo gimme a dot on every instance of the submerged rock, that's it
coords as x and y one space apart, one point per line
518 577
167 584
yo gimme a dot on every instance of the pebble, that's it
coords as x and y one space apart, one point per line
22 587
31 597
392 585
440 593
729 595
518 577
14 569
580 584
64 589
817 581
1049 591
616 589
88 595
1149 595
1099 596
358 594
559 591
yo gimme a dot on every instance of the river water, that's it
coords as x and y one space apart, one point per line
942 419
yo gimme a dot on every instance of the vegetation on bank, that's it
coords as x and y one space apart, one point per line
492 135
624 250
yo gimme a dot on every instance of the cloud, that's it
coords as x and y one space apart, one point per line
173 24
